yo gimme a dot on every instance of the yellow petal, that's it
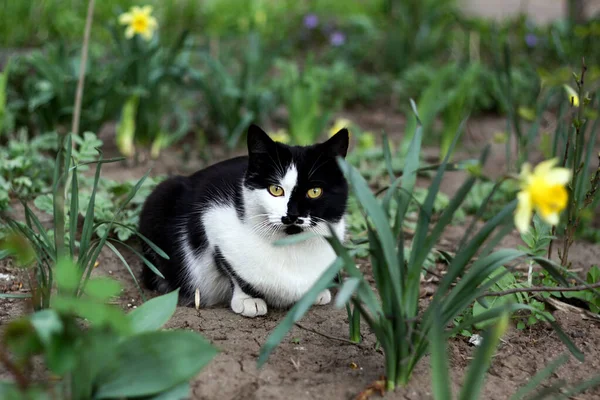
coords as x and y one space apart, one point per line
572 94
525 172
545 167
147 10
147 34
523 212
125 18
129 32
135 10
559 176
152 23
552 219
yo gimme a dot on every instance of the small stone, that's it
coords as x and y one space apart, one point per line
476 340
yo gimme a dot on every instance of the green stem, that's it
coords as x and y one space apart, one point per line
572 218
355 327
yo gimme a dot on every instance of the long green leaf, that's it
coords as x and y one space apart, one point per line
298 310
154 247
483 356
378 216
154 313
440 379
74 212
88 222
152 362
126 264
144 259
346 291
539 377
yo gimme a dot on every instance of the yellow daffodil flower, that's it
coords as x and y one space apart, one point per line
339 123
573 97
280 136
139 21
544 190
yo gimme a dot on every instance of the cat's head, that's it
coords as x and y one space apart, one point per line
292 189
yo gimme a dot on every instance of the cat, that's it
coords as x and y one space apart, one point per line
218 225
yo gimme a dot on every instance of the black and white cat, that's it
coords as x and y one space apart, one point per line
219 224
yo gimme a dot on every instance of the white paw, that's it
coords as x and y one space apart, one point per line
324 298
248 306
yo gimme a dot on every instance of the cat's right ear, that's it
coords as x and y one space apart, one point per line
258 140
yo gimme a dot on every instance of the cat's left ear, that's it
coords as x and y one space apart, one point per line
338 143
258 140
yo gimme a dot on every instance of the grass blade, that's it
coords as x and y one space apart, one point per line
346 291
483 356
126 264
74 212
298 311
539 377
440 379
380 221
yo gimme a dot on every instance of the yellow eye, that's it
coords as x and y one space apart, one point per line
314 193
276 191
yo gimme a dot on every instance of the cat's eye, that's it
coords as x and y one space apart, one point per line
314 193
276 191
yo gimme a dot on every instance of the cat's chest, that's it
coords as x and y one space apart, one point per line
286 272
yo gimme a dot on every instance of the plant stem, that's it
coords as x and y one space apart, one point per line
543 289
21 379
573 218
82 66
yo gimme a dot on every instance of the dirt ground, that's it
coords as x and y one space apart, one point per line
311 363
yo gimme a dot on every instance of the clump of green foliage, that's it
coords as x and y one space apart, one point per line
64 238
392 313
95 350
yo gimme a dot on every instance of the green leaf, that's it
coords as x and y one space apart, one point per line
98 356
179 392
67 275
440 378
18 246
126 264
347 290
102 288
483 357
381 224
534 382
152 362
74 212
99 315
46 324
298 310
154 313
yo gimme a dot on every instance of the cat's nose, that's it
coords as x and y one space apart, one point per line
289 219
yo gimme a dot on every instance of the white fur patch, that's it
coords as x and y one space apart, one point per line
283 274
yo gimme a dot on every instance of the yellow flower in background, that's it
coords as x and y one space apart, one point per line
260 18
139 21
366 141
339 123
573 97
280 136
543 190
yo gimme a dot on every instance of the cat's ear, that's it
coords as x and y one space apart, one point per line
338 143
258 140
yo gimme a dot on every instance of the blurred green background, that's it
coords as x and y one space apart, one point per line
214 66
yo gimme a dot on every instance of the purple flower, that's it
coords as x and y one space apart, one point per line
337 39
311 21
531 40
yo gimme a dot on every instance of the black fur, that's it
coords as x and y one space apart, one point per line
173 211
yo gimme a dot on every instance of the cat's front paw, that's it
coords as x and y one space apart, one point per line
248 306
323 298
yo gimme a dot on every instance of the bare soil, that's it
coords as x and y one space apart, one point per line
311 363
